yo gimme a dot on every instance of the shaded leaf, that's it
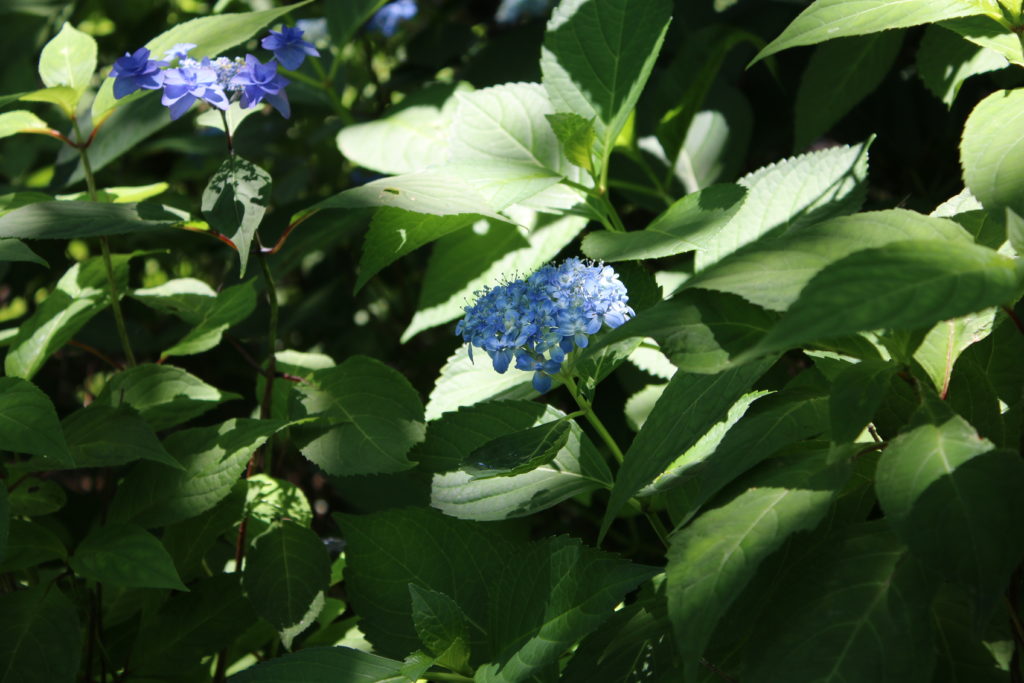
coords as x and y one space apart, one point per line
441 626
519 452
945 61
40 640
991 151
68 220
324 665
100 436
576 135
234 202
164 395
28 421
125 555
16 250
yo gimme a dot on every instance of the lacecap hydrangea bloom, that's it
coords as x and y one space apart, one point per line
217 82
537 321
392 15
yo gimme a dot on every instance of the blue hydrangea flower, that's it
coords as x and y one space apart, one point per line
288 47
136 71
260 82
512 11
392 15
178 51
538 321
188 83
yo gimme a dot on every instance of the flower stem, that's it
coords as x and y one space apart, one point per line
592 418
115 295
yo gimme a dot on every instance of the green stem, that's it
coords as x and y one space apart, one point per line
115 295
268 388
445 677
592 418
610 217
326 86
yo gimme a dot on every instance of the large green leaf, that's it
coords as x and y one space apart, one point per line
101 436
790 193
577 466
992 151
944 343
441 626
410 139
28 422
285 570
69 59
690 406
830 19
945 61
711 560
466 381
986 32
40 639
904 285
164 395
125 555
951 500
370 416
80 294
213 458
688 225
596 59
857 393
234 202
211 35
772 272
840 74
21 121
324 665
69 220
857 612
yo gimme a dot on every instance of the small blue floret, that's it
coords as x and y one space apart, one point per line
136 71
289 48
392 15
260 82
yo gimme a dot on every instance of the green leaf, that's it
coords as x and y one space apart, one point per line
944 343
187 298
988 33
284 571
838 76
576 135
858 612
857 394
324 665
463 382
21 121
370 416
125 194
80 294
269 500
519 452
164 395
125 555
28 421
469 260
101 436
597 57
69 59
831 19
773 272
690 406
63 96
234 202
231 306
689 224
191 540
952 501
945 61
36 498
904 285
5 523
410 139
16 250
30 544
1015 231
71 220
211 35
577 466
791 193
711 560
991 151
963 658
442 627
345 18
40 639
212 457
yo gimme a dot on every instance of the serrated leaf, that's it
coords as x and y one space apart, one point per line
950 499
284 571
234 202
830 19
211 35
790 193
991 151
212 457
370 416
577 466
69 59
324 665
125 555
689 224
597 57
576 135
690 405
838 76
904 285
441 626
164 395
21 121
80 294
711 560
773 272
945 61
231 306
857 393
40 639
71 220
28 421
101 436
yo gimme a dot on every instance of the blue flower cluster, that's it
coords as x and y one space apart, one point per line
537 321
392 15
214 81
